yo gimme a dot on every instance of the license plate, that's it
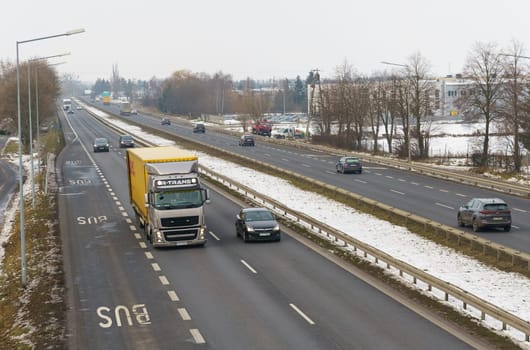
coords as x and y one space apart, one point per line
497 218
264 234
181 243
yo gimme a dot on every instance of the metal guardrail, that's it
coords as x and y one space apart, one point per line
317 227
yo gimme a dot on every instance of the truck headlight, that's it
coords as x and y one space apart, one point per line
159 236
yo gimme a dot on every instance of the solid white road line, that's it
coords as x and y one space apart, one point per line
184 314
197 336
214 236
444 206
248 266
173 295
295 308
401 193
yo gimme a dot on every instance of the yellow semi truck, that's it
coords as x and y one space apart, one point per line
167 196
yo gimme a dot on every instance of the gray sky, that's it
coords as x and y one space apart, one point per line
257 39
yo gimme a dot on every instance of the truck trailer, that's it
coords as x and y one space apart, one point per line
167 196
125 108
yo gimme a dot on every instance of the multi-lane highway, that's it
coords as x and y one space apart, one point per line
428 197
229 295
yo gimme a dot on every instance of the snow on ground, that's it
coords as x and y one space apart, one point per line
14 205
510 291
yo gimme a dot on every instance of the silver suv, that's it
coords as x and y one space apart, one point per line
485 212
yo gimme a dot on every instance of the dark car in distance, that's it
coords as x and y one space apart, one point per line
165 121
257 224
349 165
126 141
199 128
101 144
246 140
485 213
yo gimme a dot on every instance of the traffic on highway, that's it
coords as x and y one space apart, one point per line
229 294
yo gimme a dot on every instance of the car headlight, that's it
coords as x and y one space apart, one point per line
250 229
276 228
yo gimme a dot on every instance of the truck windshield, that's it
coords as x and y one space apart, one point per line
178 199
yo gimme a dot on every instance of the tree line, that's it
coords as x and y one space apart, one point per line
349 107
44 90
196 94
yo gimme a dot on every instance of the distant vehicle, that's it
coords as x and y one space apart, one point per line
484 213
246 140
261 127
125 108
291 132
199 128
126 141
78 107
134 111
101 144
105 97
165 121
70 111
349 165
257 224
67 104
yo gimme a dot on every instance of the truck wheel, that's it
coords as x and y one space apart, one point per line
149 233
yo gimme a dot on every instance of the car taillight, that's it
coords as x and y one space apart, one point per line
486 212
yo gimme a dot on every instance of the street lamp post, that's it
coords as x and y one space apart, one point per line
31 126
20 170
408 120
37 110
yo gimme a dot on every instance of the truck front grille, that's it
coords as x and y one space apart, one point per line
180 221
180 235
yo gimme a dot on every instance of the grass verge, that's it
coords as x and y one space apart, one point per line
33 316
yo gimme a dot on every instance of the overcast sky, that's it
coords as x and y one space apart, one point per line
257 39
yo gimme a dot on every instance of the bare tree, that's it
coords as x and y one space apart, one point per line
484 67
419 87
514 96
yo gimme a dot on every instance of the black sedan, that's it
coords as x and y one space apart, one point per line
257 224
246 140
349 165
101 144
126 141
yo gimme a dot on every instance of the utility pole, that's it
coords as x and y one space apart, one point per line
316 80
